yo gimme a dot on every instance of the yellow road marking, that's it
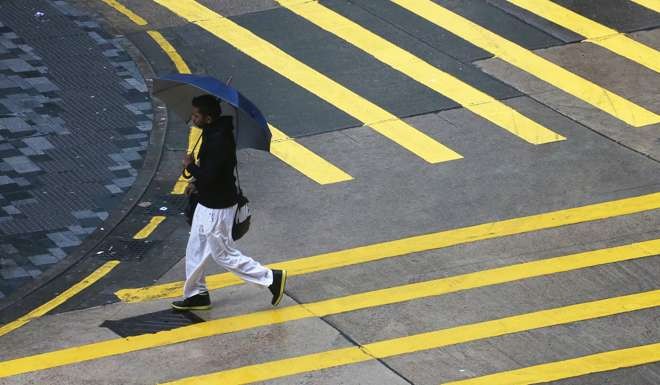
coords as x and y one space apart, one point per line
308 163
180 185
653 5
442 82
333 306
149 227
282 146
596 33
419 243
553 371
532 63
182 67
425 341
170 51
327 89
60 299
290 152
126 12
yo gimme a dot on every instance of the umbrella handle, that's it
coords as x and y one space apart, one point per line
183 172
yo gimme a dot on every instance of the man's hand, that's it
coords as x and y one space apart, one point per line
190 189
187 160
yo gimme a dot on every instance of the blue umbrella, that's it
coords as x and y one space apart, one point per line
177 91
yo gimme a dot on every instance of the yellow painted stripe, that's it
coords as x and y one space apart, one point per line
425 341
149 227
126 12
594 363
180 186
171 52
60 299
290 152
182 67
308 163
333 306
283 147
181 183
595 33
532 63
419 243
442 82
653 5
327 89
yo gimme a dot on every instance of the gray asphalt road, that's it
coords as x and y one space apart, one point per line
529 258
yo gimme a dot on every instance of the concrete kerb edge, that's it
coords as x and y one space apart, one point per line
145 176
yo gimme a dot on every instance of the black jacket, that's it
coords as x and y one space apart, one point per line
214 177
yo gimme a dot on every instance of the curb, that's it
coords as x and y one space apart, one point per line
145 176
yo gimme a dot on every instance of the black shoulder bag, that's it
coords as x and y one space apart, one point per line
243 214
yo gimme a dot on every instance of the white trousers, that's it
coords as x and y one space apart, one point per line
210 237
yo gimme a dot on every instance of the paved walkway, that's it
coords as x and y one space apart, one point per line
75 118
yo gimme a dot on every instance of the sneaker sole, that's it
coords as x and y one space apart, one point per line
204 307
282 287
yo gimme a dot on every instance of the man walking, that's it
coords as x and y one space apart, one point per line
210 234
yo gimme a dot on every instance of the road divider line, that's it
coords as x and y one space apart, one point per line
60 299
429 340
528 61
149 227
334 306
595 33
575 367
170 51
414 67
400 247
126 12
653 5
327 89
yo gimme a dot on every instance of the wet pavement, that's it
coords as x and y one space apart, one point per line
532 257
75 119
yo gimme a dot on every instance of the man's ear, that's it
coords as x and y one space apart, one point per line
208 119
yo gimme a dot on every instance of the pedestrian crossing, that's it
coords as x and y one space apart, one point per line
431 151
594 32
334 306
327 89
282 146
518 56
406 246
444 83
431 340
419 70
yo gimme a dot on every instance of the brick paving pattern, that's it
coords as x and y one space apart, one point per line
75 117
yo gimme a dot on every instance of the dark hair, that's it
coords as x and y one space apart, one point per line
208 105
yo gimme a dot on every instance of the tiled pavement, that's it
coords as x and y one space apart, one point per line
75 118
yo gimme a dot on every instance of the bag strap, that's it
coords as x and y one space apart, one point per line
238 179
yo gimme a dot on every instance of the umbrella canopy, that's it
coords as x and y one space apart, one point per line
250 126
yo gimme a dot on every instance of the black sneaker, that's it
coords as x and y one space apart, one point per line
277 287
201 301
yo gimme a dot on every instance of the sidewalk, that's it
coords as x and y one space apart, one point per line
75 118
